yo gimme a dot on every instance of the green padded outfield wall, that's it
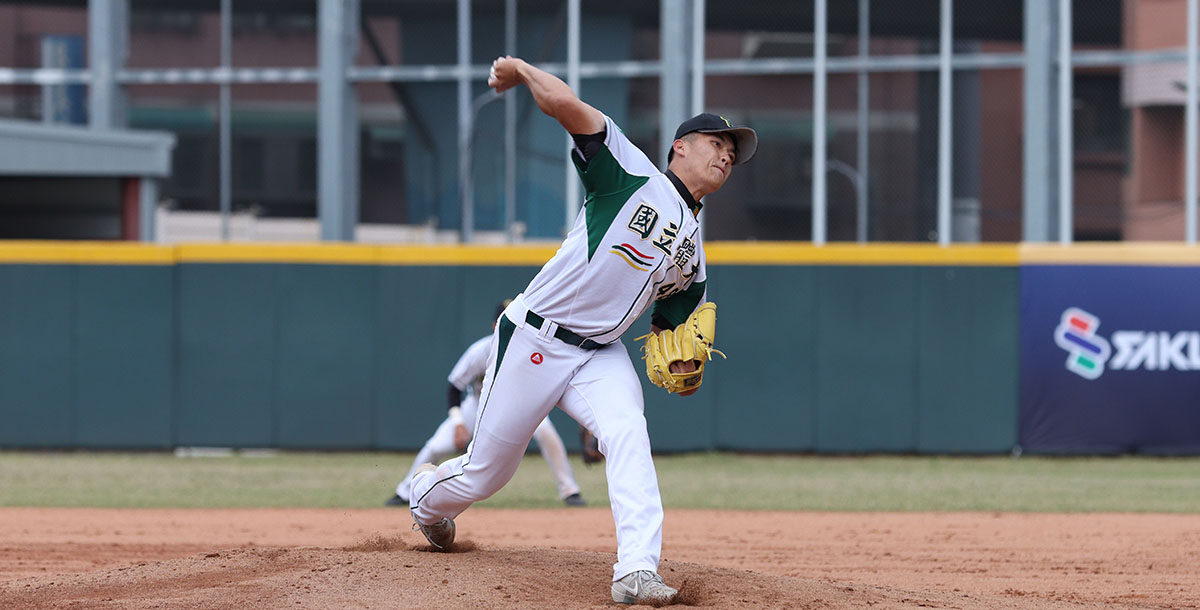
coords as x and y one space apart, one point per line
37 388
86 351
839 349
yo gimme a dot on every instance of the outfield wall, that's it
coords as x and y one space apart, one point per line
842 348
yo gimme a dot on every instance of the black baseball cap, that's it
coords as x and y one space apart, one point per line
745 140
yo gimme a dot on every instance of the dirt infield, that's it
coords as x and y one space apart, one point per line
266 558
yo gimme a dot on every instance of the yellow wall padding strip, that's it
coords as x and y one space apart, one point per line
86 253
362 254
530 255
719 253
1112 253
333 253
792 253
729 253
135 253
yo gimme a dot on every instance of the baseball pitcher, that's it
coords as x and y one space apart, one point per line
635 246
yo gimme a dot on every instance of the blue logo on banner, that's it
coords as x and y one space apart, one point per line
1077 334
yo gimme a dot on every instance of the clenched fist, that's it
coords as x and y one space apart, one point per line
504 74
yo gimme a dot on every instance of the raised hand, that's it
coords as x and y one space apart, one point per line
504 74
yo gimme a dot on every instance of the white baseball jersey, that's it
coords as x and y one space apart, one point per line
467 375
468 371
636 242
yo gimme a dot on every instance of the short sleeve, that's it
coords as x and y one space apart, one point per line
614 168
471 365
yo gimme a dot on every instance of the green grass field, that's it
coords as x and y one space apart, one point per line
703 480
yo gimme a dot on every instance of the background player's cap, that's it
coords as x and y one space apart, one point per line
502 306
745 140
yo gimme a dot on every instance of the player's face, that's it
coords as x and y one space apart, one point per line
709 157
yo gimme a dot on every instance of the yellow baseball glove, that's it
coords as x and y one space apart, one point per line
692 340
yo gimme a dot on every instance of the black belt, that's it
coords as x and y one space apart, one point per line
563 334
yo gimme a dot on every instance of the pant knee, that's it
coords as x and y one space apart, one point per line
628 434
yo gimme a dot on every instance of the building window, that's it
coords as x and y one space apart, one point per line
1101 123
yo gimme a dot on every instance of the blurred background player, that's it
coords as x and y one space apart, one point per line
452 436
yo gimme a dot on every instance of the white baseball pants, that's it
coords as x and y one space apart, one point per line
441 445
599 388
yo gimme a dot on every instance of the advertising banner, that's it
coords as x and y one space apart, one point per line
1110 359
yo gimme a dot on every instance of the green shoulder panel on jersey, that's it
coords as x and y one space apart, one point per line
677 307
608 187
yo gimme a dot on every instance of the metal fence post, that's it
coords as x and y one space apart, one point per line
1066 147
820 76
571 181
337 120
1190 124
1035 217
108 37
945 112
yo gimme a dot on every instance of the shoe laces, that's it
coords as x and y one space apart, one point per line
420 526
650 579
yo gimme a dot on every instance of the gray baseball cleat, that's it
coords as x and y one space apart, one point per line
640 586
440 534
575 499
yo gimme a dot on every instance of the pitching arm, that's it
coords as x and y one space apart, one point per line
551 94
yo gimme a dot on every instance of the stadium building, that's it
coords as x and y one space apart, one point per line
370 120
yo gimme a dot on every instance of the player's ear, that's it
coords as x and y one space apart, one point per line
678 147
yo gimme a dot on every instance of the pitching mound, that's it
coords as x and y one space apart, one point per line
562 558
395 573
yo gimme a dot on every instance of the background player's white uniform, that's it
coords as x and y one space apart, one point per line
467 375
637 242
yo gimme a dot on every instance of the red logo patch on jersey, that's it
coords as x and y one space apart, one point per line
535 358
